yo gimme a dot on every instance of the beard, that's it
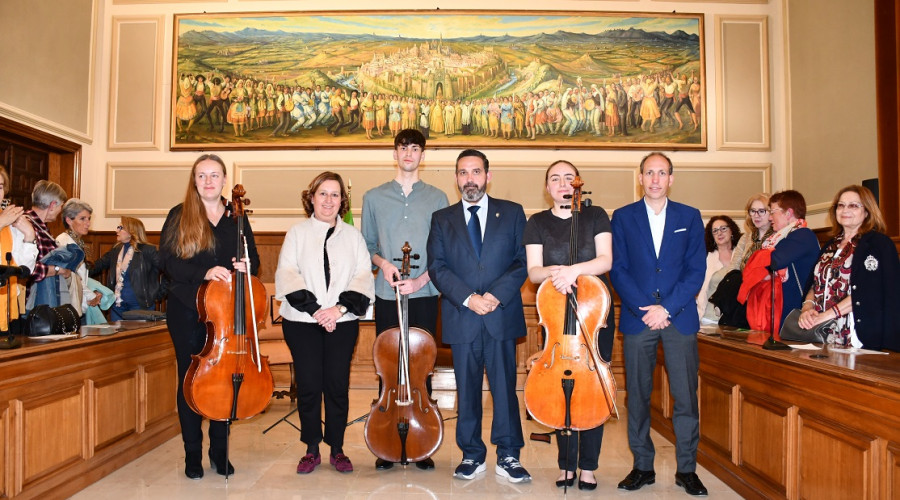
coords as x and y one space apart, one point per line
472 192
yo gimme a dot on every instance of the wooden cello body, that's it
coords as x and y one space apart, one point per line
569 385
404 424
229 380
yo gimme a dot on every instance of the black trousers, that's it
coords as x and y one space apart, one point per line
322 369
188 337
584 446
422 312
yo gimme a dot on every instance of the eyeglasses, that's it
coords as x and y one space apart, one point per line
848 206
761 211
119 228
722 229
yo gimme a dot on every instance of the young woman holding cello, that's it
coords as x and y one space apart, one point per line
547 248
324 280
198 245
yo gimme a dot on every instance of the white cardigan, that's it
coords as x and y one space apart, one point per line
301 266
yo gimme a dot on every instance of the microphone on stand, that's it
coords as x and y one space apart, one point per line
771 344
6 272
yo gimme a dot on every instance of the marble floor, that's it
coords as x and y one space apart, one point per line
266 467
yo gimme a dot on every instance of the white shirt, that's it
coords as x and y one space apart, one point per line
482 212
657 224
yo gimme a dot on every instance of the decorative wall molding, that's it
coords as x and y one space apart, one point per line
742 83
134 89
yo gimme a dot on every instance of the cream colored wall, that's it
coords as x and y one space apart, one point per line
718 180
833 137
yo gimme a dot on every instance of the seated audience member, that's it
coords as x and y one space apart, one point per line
857 277
134 270
76 216
47 200
794 249
721 236
757 228
16 242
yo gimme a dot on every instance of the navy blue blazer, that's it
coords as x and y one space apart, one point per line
677 275
457 272
874 278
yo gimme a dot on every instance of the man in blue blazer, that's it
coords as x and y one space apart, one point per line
477 261
659 261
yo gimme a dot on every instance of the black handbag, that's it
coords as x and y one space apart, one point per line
791 330
44 320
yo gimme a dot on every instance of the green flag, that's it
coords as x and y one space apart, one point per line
348 217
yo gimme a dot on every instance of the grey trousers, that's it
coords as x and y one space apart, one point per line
682 365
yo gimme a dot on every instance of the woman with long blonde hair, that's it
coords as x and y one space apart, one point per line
198 243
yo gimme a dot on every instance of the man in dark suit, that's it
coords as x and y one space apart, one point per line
658 268
477 261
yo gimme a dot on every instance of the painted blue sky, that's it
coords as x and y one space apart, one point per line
427 26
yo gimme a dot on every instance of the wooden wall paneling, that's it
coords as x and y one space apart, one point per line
5 471
763 429
160 382
134 93
716 413
115 407
54 431
742 83
887 88
891 487
826 450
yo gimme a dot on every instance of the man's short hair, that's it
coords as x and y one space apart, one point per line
476 153
409 136
661 155
46 192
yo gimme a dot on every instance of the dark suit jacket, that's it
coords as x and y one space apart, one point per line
874 278
457 272
677 274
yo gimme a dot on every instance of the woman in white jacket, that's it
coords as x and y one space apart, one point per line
324 279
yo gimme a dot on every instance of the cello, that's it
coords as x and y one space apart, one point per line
229 380
404 424
570 386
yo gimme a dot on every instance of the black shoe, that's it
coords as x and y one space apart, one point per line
691 484
425 464
193 465
217 461
382 464
584 485
636 479
565 482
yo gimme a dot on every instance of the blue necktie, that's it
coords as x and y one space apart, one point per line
475 229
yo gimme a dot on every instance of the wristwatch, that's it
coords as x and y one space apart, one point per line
342 308
56 269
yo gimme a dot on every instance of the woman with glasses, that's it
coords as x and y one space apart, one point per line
756 229
198 244
722 234
134 269
855 280
794 247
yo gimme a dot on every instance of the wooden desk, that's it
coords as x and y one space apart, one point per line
73 411
780 424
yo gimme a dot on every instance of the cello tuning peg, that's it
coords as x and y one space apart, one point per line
414 256
567 196
246 201
586 192
565 206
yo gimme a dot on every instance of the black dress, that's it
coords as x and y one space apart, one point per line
187 333
553 234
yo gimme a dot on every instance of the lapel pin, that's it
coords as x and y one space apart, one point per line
497 215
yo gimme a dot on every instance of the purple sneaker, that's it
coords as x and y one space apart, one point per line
308 463
341 463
